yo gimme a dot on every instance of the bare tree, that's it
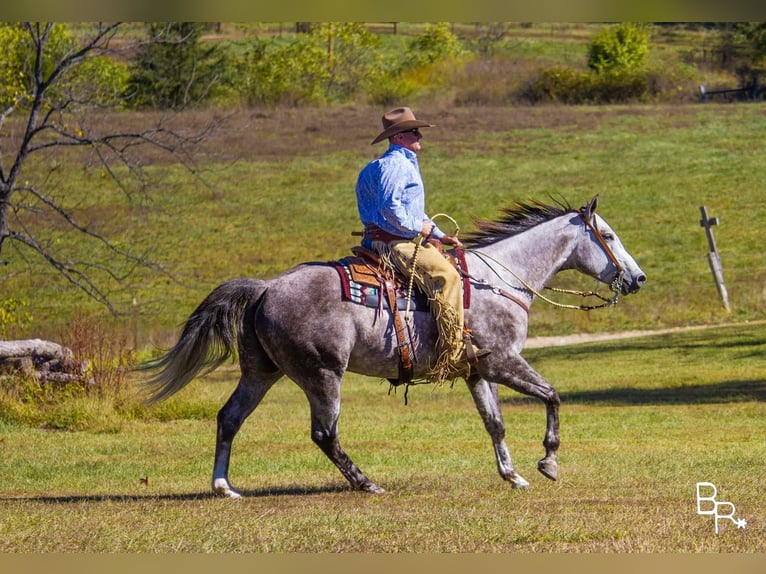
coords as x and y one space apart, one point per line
53 116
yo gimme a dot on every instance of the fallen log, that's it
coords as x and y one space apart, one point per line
44 361
33 348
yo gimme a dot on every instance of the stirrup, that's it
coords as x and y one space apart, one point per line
473 354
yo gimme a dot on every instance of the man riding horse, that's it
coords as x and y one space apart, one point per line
391 202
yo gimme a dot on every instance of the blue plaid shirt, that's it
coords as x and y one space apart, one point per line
391 195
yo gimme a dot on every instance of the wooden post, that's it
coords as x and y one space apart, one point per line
714 260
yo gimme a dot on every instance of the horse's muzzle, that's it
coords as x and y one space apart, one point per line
633 284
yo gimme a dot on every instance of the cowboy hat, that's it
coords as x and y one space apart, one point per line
399 120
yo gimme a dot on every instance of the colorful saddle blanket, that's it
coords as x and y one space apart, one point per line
361 276
361 283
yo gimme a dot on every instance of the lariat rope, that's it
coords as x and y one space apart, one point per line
407 317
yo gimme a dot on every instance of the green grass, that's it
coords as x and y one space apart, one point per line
642 421
281 192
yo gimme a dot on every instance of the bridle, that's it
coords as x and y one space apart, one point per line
615 286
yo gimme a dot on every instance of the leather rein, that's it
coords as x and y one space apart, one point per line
615 286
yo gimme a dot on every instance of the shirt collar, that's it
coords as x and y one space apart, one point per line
408 153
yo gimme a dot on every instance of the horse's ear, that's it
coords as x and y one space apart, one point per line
590 209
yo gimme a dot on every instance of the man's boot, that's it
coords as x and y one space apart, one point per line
471 353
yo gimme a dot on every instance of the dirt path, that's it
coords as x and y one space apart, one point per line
557 341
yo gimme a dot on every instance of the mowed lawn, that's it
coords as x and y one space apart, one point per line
643 420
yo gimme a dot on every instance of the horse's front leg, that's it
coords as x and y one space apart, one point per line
487 402
515 373
549 465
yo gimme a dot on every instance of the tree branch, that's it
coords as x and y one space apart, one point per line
74 276
58 116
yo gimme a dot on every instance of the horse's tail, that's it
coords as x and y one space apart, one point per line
208 339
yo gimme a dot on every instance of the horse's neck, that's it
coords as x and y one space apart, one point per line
535 255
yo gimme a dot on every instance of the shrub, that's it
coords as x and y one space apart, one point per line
353 58
389 89
100 81
98 402
622 47
292 74
555 84
107 351
436 43
332 63
672 81
94 81
617 86
569 86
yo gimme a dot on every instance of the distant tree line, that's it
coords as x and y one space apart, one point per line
173 68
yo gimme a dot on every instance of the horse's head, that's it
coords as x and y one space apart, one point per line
602 255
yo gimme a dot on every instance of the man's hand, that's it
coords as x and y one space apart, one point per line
451 240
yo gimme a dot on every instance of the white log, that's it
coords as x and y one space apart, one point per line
33 348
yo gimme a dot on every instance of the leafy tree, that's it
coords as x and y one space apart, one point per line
622 47
173 69
755 33
436 43
293 74
337 61
56 82
751 64
12 74
353 57
332 62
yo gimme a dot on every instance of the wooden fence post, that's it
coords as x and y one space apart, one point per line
714 260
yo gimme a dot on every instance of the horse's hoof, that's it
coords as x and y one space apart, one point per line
549 468
518 482
222 488
372 488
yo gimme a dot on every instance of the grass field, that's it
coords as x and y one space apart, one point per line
281 192
643 420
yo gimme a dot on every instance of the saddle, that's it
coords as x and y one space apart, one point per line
365 280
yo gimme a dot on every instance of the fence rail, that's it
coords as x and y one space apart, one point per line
734 94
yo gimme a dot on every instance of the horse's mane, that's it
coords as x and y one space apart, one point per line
514 220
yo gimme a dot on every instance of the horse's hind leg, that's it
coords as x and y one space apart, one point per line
324 401
488 404
247 396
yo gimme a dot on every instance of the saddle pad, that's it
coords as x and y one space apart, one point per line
360 284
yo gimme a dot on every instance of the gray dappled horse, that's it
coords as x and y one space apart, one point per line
296 325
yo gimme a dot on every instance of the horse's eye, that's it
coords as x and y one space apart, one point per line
608 236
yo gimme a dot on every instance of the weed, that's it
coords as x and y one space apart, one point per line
96 401
108 353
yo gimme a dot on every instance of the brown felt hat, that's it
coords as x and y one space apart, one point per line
399 120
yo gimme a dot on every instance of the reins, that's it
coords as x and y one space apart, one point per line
615 285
